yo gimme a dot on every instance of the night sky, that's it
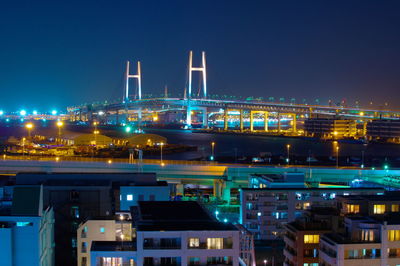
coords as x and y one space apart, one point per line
59 53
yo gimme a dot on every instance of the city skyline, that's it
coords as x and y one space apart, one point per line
68 54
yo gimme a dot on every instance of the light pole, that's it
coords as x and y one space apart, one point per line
265 262
337 156
23 146
95 132
29 126
212 150
121 218
288 153
161 147
362 159
59 125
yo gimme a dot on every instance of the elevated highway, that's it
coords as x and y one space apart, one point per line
221 177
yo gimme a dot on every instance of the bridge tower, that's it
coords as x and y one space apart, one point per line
137 76
192 69
201 69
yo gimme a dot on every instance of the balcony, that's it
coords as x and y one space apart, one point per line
290 255
146 246
289 241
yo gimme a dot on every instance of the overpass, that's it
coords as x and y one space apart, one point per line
221 177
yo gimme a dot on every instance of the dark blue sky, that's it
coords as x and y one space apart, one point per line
59 53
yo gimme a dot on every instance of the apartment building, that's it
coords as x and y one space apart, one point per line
366 241
162 233
302 236
264 211
371 205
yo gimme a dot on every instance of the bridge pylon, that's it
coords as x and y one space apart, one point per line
137 76
201 69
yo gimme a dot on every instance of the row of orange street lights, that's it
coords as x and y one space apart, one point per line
30 126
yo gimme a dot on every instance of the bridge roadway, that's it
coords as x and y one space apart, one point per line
222 176
161 103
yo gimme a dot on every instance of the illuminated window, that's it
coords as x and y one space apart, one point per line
394 235
367 235
129 197
395 208
352 208
379 208
311 239
306 205
215 243
102 230
22 224
194 242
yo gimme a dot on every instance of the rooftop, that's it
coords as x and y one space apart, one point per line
176 216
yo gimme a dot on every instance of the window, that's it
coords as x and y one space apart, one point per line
109 261
367 235
394 235
193 261
148 261
311 239
379 208
84 261
219 260
194 242
75 212
22 224
129 197
152 198
215 243
102 230
352 208
395 208
84 247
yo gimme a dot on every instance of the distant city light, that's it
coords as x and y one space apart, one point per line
34 112
22 112
128 129
54 112
225 220
8 120
386 167
1 112
101 113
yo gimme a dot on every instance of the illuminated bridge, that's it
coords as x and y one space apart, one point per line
133 108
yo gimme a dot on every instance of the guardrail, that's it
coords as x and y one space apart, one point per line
105 160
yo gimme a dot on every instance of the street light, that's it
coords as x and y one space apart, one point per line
59 125
288 153
265 262
337 156
29 126
161 159
212 151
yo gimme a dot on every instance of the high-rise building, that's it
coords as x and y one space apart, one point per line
27 229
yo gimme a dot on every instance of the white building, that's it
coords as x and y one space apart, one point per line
27 230
164 233
264 211
369 241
